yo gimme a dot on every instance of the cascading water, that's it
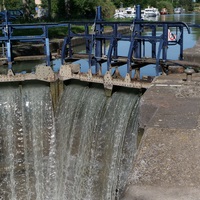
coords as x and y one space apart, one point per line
96 139
86 154
27 138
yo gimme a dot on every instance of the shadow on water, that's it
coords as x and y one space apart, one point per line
85 152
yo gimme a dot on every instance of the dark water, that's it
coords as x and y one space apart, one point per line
85 151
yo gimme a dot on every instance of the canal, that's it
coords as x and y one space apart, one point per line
83 151
123 48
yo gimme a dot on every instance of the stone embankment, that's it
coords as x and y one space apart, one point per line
167 163
193 54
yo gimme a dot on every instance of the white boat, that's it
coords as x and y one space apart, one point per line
143 14
179 10
119 14
125 13
151 12
130 12
156 11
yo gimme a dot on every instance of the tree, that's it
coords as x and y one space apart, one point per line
165 4
49 9
108 8
83 8
12 4
47 5
28 8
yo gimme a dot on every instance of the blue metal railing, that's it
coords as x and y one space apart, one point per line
8 37
137 39
96 52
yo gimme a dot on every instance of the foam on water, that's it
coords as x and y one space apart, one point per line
84 152
97 142
27 143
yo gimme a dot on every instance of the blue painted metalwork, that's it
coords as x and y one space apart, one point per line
8 37
96 40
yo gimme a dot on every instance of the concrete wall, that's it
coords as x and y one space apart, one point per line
167 164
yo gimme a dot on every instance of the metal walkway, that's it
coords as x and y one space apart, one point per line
105 61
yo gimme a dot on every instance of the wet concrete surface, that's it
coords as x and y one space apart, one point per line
167 163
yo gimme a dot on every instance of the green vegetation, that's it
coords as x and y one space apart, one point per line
56 32
165 4
58 10
197 7
68 10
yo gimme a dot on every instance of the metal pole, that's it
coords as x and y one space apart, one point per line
138 32
98 45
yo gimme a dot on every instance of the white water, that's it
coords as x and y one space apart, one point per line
27 143
87 153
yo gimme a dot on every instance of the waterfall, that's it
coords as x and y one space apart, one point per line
96 139
84 152
27 139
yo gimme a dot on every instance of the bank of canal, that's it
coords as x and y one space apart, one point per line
167 163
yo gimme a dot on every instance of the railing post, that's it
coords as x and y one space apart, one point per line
115 44
181 43
9 53
98 42
46 46
87 40
153 53
48 55
138 12
137 32
135 45
7 32
165 41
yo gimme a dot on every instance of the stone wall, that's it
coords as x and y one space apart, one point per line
192 54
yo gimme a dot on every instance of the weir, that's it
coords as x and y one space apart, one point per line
103 63
85 147
83 151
